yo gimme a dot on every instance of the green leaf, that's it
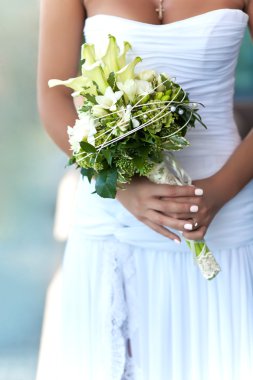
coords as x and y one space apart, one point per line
176 143
108 156
86 107
91 98
71 161
106 183
111 80
179 140
140 161
166 82
198 117
88 172
88 148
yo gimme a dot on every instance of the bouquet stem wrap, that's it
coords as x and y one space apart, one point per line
170 172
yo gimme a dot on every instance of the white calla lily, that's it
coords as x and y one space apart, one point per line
88 53
110 59
122 57
127 72
77 84
109 99
96 74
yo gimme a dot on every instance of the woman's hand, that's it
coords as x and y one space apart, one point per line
158 206
209 204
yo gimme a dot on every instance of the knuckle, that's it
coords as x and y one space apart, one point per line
172 190
160 219
141 218
197 201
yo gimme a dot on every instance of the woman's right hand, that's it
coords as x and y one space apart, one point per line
158 206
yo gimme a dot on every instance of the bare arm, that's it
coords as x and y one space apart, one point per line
60 38
249 9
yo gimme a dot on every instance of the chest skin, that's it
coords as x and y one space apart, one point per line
145 10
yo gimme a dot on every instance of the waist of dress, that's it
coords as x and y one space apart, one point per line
100 218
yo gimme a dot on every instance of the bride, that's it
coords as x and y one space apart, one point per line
134 306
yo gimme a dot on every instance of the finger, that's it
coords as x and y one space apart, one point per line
195 234
197 200
178 191
163 220
162 230
169 206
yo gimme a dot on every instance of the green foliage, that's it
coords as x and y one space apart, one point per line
132 127
71 161
112 80
88 148
88 172
106 183
91 98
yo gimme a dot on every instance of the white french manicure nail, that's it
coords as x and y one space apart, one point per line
188 226
177 241
194 208
199 192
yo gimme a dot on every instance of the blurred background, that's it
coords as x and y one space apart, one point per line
31 168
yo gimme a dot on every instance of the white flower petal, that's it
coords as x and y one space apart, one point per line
135 122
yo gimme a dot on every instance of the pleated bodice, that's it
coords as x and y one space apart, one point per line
201 53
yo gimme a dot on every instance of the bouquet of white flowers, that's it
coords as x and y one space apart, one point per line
128 125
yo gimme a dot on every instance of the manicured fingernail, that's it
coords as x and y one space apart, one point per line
188 226
177 241
199 192
194 208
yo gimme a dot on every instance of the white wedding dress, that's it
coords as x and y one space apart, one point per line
122 280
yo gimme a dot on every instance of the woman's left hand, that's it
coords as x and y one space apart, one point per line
209 205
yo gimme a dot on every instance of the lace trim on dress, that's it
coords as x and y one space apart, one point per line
120 270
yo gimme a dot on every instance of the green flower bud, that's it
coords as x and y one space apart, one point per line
145 99
158 95
165 98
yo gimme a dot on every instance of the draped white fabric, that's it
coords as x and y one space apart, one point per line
123 281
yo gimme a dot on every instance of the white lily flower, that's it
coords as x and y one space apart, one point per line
83 130
135 122
129 89
143 87
98 111
109 99
147 75
126 116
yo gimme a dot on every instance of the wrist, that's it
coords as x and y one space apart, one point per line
225 186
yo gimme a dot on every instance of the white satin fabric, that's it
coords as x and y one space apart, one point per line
122 280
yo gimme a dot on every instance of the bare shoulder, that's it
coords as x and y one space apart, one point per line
249 9
61 26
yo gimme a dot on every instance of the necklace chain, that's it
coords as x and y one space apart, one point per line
160 10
